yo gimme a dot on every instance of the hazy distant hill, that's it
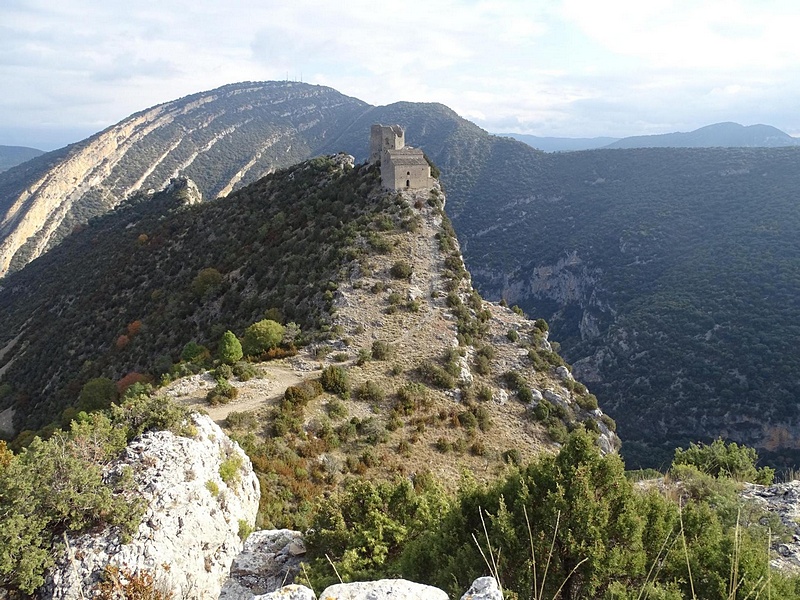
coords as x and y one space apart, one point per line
723 135
727 135
11 156
560 144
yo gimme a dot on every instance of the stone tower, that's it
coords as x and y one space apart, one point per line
402 167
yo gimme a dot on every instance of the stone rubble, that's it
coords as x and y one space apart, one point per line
783 500
270 559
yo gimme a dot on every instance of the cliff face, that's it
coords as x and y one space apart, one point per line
201 495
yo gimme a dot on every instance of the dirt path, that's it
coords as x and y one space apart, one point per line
254 394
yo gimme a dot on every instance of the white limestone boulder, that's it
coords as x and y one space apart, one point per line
189 535
396 589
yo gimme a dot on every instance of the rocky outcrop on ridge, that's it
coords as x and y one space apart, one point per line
200 495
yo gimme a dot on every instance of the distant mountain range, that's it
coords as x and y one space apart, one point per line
11 156
719 135
561 144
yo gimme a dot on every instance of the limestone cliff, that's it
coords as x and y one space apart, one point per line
201 495
223 139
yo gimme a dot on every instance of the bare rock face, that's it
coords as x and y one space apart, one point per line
189 535
396 589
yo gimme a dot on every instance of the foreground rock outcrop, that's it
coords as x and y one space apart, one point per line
201 496
483 588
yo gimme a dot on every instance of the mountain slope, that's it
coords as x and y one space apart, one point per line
584 240
221 139
726 135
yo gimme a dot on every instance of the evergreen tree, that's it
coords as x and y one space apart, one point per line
230 348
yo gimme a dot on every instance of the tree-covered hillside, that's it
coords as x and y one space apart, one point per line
671 279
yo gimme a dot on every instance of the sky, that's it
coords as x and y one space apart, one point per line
564 68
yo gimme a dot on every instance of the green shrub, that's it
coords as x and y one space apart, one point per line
382 350
245 529
467 420
487 351
296 396
512 456
97 394
370 391
334 380
336 409
56 486
587 401
368 458
482 365
401 270
222 393
223 372
379 243
245 371
410 397
212 487
485 394
230 468
483 417
557 431
261 337
241 420
363 529
609 422
363 357
206 282
719 459
443 445
478 448
373 431
436 375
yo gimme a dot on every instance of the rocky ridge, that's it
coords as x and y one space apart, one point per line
414 319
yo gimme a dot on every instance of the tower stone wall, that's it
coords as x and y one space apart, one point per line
402 167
